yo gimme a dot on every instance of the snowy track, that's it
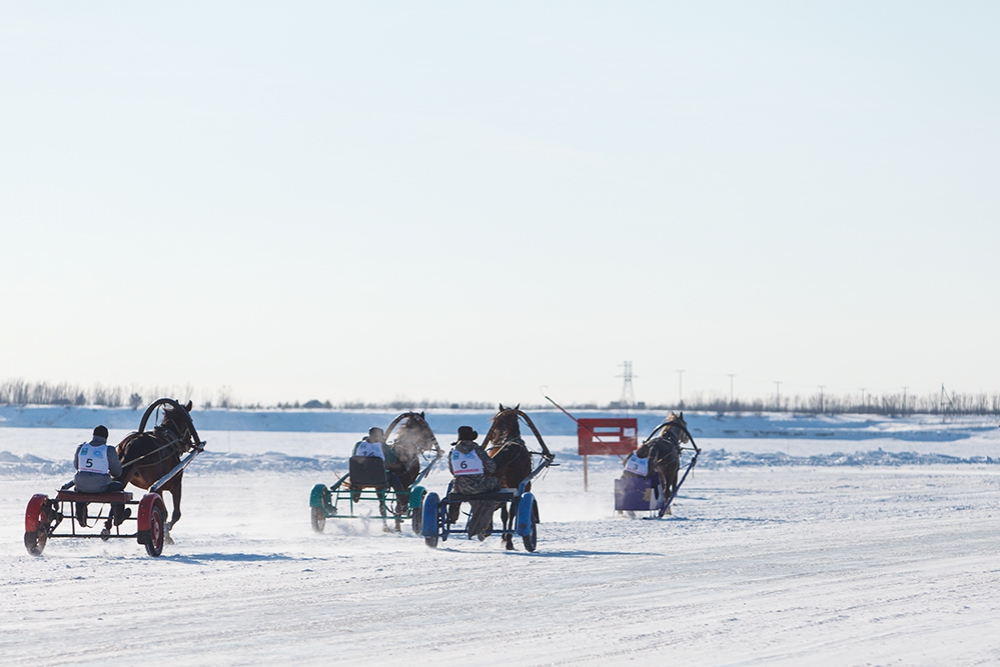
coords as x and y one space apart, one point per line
788 566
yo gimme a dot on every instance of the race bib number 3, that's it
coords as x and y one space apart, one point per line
637 465
466 464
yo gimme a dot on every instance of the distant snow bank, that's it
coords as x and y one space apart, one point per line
923 428
210 463
245 441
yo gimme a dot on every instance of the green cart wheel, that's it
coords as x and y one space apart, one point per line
318 518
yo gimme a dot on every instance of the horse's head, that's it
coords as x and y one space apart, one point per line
409 434
675 424
177 420
506 425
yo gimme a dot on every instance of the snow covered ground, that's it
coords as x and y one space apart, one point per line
829 553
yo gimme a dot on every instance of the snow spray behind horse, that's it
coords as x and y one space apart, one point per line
408 442
410 445
149 456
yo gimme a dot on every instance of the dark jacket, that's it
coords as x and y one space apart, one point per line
483 483
89 482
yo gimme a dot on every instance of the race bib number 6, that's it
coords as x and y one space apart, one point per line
466 464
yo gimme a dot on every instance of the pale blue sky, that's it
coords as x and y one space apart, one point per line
465 201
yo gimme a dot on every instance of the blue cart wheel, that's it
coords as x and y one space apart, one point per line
429 527
527 521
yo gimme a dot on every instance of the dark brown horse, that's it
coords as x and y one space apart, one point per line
506 447
408 436
147 456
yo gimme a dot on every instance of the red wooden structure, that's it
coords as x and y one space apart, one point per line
604 437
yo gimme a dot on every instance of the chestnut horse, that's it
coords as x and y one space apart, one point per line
664 446
147 456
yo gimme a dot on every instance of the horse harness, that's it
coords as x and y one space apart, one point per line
176 440
669 437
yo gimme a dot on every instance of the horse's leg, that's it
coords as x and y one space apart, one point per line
506 517
383 510
174 487
403 498
175 492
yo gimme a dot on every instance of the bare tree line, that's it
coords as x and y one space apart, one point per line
890 404
20 392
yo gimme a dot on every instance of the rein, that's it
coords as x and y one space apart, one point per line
170 443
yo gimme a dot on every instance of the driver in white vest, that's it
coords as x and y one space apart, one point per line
372 444
637 463
472 467
97 464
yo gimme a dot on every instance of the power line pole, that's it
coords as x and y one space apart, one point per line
821 398
628 393
777 393
904 400
680 388
731 401
864 406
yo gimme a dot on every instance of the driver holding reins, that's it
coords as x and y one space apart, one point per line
374 445
472 467
637 463
97 463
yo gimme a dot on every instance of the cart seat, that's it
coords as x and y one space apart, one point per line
77 497
635 494
367 471
501 495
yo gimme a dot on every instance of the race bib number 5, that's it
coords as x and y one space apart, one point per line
94 459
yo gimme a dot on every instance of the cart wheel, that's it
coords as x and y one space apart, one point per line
417 516
154 545
527 521
318 518
36 524
429 527
531 539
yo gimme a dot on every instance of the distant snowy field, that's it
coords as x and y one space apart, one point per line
836 541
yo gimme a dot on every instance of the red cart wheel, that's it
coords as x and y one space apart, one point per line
36 524
151 533
154 545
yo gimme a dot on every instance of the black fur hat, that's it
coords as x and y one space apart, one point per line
467 433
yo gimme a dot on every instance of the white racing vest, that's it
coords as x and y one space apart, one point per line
366 448
466 464
637 466
93 458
